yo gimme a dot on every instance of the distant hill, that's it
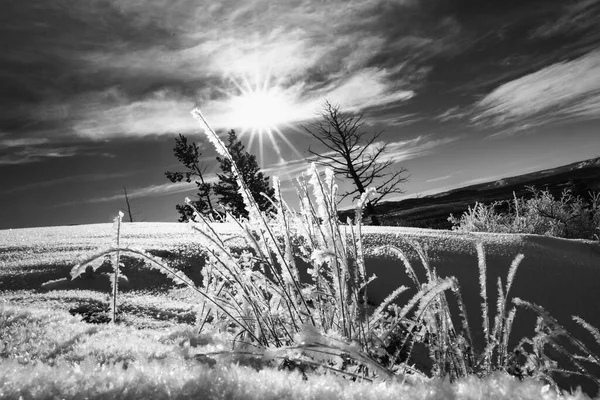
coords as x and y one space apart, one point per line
433 211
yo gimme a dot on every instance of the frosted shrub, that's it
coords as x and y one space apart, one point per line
569 216
481 218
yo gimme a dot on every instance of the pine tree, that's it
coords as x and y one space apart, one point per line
189 156
228 189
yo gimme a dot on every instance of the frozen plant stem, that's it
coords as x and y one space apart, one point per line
115 288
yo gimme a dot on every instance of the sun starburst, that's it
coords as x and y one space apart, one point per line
261 109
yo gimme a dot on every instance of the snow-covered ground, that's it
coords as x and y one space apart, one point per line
561 275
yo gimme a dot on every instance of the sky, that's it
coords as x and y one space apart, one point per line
93 93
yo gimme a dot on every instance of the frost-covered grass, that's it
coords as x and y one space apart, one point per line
49 354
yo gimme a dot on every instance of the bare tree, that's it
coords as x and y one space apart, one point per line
355 154
128 205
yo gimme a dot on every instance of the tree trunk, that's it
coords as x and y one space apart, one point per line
128 205
213 213
373 214
361 190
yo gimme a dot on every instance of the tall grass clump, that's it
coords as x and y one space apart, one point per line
296 293
326 314
260 296
568 216
255 294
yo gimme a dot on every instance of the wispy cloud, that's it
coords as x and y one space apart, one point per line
559 92
441 178
147 64
19 154
20 142
287 170
575 17
158 113
453 113
456 185
420 146
149 191
396 119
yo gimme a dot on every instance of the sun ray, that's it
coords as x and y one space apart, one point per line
261 152
237 85
288 142
257 81
274 142
248 85
252 136
267 81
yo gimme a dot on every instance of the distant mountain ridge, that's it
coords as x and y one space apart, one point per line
432 211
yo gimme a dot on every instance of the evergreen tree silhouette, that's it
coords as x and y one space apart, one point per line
227 187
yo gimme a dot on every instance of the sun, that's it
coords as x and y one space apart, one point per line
261 109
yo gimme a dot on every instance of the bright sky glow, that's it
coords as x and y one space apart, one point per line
260 110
